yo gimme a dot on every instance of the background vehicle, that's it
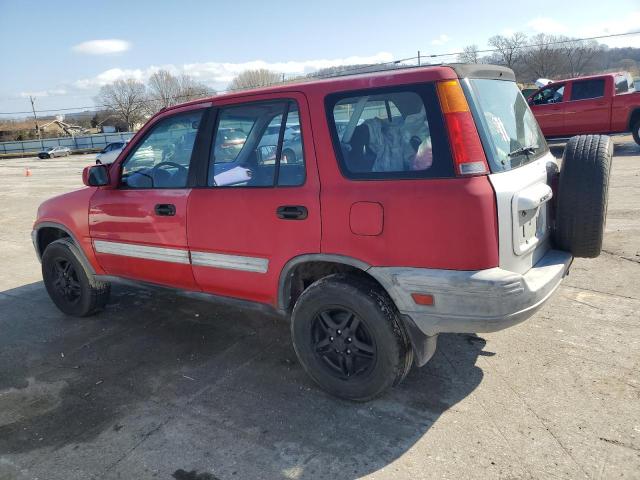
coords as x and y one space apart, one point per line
434 214
109 153
605 103
54 152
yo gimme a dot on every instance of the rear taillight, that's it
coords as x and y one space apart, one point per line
468 154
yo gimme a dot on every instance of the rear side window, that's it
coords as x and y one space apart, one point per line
624 83
586 89
258 145
390 133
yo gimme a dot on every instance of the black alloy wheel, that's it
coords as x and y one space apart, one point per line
343 342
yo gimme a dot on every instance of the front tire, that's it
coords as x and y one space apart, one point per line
349 338
67 282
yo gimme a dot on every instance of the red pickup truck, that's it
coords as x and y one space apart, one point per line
597 104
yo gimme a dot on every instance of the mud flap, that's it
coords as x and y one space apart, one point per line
424 346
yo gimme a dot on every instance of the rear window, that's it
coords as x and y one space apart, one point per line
389 133
510 133
624 83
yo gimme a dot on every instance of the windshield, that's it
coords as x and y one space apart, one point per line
509 131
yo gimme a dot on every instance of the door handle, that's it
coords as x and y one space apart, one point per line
292 212
165 209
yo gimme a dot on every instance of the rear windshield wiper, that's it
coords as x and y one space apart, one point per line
526 150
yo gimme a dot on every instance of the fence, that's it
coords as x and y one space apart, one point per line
84 142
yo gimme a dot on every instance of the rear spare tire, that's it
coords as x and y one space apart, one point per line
583 191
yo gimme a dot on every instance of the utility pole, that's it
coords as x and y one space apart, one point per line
418 57
35 117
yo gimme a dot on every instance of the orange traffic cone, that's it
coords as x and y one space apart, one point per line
27 172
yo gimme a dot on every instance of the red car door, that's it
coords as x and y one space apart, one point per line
548 106
260 206
589 109
138 224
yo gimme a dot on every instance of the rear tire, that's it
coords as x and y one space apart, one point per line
67 282
635 130
349 338
583 192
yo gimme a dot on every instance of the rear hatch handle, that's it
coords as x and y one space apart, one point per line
534 196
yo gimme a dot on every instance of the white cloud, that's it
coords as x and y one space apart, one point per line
547 25
218 74
54 92
627 23
441 40
102 47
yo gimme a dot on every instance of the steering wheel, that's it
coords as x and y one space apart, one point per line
180 168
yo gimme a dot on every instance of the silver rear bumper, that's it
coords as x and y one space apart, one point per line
473 301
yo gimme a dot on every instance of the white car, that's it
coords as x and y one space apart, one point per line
109 153
54 152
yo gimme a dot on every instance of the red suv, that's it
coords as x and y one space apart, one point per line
419 201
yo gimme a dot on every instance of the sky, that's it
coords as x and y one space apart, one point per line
62 52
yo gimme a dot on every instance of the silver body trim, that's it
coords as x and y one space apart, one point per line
172 255
176 255
231 262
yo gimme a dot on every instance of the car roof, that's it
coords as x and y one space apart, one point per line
358 81
586 77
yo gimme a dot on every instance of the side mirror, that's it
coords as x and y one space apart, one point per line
95 176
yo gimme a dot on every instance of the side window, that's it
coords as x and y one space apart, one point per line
388 135
162 159
549 95
258 145
622 84
585 89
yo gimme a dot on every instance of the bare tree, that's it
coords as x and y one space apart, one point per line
544 57
126 98
190 89
254 78
165 90
469 55
162 90
579 54
509 50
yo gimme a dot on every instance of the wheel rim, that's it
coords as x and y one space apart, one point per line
343 343
65 280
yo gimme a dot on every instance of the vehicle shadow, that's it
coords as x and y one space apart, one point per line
207 386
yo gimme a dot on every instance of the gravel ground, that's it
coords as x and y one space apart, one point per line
164 386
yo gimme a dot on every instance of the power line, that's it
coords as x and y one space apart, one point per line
344 72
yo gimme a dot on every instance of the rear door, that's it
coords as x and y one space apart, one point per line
589 107
257 207
138 225
521 167
548 106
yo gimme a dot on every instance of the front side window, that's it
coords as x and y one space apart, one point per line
162 159
258 145
586 89
548 95
388 135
